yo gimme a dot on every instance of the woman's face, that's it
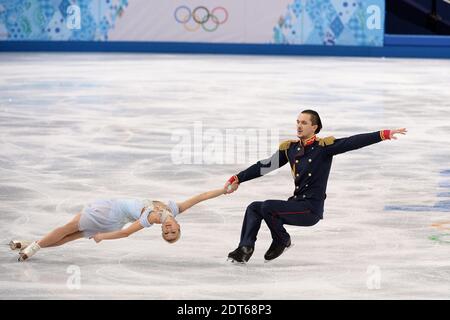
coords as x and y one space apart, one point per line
170 229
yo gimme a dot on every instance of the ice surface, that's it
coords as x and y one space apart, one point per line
78 127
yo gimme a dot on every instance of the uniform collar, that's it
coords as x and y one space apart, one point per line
308 142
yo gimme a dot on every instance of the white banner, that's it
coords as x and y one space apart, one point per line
317 22
232 21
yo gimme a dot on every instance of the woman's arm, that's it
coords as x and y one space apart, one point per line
183 206
134 227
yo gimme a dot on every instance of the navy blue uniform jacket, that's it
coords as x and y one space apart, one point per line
310 165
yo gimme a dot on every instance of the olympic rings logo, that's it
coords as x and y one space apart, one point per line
200 17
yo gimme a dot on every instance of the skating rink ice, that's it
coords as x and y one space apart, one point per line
79 127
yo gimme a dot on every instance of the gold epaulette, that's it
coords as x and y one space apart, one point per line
326 141
286 144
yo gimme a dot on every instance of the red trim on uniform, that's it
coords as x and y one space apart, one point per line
385 134
232 179
309 142
297 212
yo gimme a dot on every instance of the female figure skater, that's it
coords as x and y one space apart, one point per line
104 220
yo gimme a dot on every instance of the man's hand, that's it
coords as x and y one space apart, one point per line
397 131
232 184
98 237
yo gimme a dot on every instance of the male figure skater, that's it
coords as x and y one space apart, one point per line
310 159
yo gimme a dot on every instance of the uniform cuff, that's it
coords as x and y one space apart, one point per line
385 134
233 179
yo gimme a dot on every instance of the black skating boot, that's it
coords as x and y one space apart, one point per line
276 250
241 254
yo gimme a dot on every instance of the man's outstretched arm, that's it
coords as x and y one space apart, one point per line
361 140
260 168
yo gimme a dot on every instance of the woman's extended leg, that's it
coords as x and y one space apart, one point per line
56 236
68 238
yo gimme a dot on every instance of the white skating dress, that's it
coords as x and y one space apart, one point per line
113 214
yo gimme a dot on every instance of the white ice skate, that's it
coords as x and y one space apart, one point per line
19 244
29 251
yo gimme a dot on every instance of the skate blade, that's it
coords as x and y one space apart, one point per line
267 261
238 263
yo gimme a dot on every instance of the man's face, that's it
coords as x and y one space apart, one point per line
305 129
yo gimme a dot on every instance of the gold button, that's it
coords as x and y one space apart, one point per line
309 174
296 161
297 175
309 160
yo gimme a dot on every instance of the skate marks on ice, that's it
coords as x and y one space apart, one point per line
75 128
